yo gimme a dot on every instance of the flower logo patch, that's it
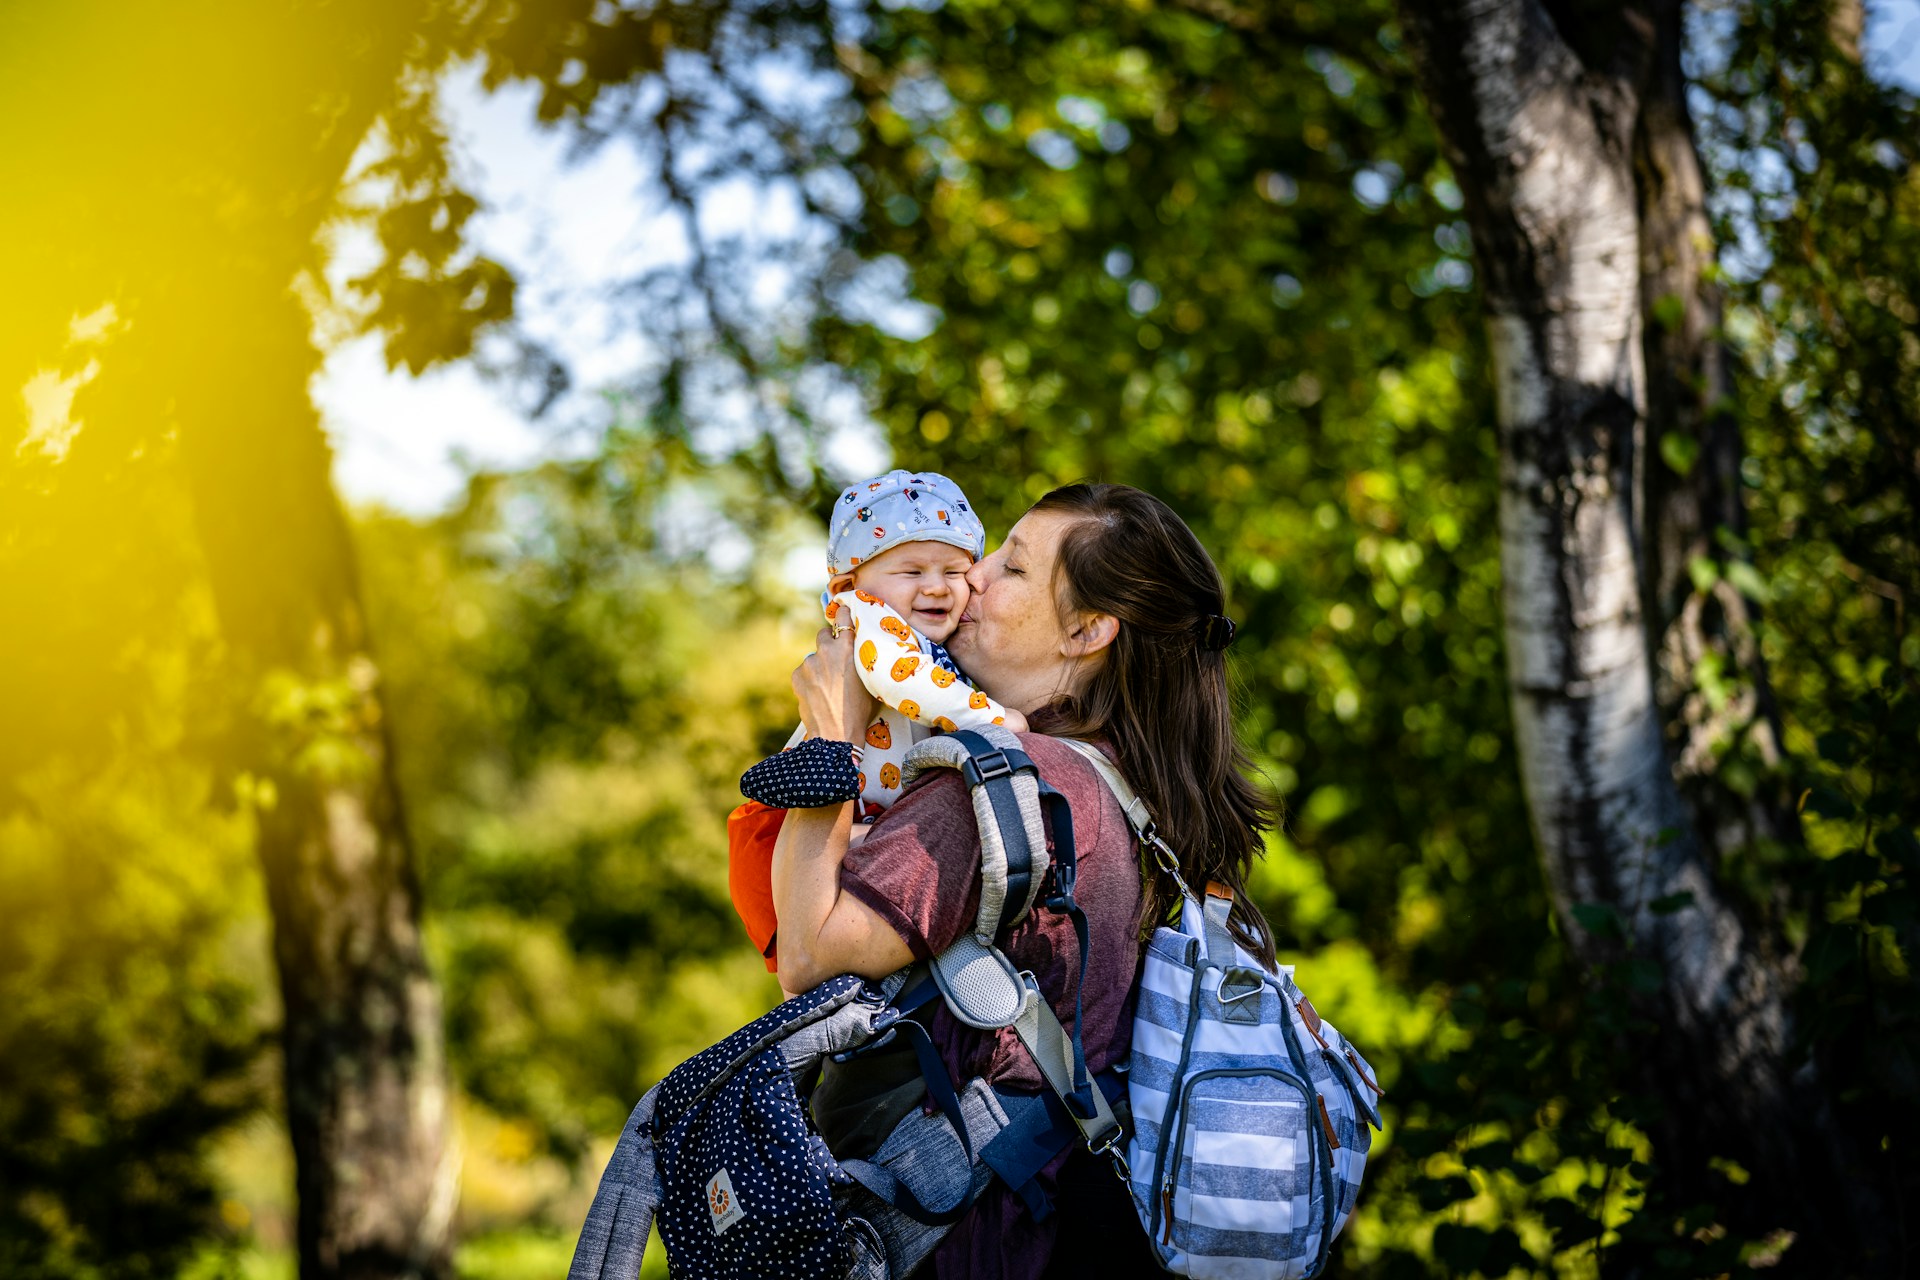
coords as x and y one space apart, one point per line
722 1203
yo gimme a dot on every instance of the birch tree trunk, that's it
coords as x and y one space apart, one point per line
1566 126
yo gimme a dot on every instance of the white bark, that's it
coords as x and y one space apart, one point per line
1544 124
1571 397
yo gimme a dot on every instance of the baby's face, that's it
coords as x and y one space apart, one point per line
925 582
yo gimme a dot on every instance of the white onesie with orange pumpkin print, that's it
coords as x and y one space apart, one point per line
919 688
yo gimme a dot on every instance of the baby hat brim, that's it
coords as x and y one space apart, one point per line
901 506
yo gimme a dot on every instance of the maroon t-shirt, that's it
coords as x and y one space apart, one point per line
920 870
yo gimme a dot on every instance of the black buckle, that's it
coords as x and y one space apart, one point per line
986 767
1059 887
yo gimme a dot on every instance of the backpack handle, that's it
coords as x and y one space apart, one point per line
1218 902
1139 817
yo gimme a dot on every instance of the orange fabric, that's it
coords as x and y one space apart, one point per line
751 831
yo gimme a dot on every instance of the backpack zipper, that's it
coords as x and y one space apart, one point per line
1191 961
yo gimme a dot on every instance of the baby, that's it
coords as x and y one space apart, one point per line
898 552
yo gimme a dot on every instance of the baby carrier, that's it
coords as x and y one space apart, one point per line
1249 1114
724 1153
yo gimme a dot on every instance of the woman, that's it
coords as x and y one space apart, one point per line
1100 618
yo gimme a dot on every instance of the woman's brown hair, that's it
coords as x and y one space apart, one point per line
1160 698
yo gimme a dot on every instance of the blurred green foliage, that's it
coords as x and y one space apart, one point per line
1219 259
574 695
130 1024
1821 189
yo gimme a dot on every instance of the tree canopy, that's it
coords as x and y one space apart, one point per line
1211 249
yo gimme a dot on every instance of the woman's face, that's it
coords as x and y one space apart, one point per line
1011 639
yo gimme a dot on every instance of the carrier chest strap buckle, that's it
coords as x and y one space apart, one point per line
985 767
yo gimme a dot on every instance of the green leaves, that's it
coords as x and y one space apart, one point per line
132 979
1829 404
1469 1251
1830 951
1494 1155
431 319
1436 1194
1828 802
1599 919
1900 846
1747 581
1679 452
1838 746
1572 1224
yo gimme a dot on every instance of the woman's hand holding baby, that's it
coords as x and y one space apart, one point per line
833 702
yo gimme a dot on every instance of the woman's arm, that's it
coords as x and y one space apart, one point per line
824 931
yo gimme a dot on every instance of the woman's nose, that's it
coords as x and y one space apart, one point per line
977 576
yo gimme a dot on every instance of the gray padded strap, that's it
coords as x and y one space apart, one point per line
947 753
1026 793
1040 1031
979 983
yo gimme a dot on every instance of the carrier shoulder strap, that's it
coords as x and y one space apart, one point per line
979 983
1005 790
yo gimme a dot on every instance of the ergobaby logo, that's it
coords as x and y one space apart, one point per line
722 1203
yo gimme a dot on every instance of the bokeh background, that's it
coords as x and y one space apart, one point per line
420 417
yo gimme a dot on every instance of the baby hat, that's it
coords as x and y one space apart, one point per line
901 506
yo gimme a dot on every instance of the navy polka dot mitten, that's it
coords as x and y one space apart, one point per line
815 772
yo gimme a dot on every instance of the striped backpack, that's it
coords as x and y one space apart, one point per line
1251 1113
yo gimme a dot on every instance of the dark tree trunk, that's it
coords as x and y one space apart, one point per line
1567 127
1690 472
367 1099
366 1093
179 162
